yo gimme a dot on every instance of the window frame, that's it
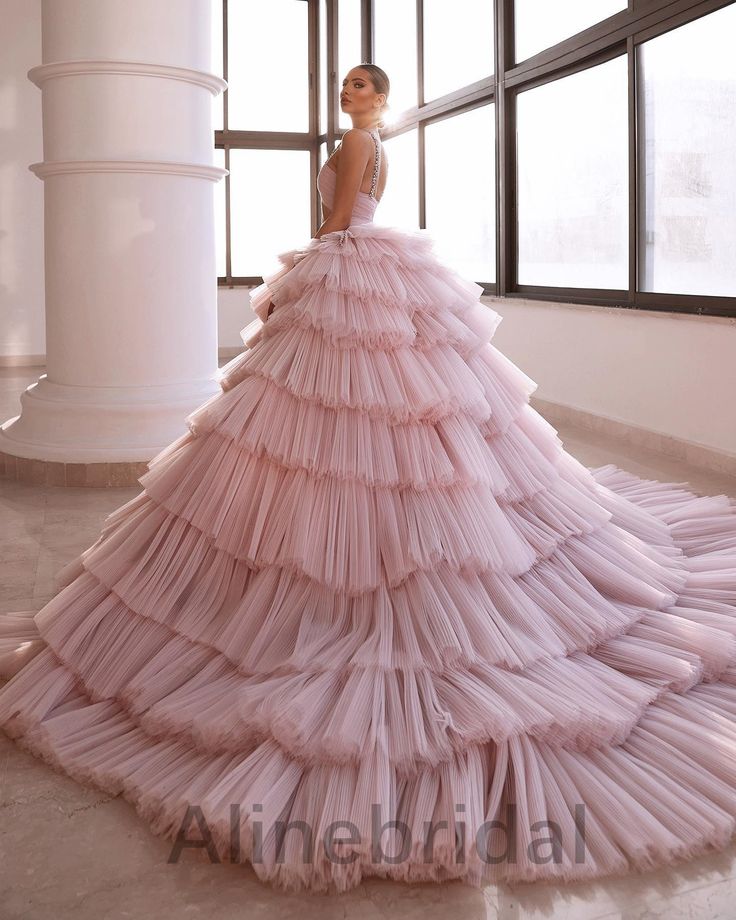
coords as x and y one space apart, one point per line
619 34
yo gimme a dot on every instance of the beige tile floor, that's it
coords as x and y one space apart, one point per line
73 852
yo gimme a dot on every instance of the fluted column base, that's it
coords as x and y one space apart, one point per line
58 473
129 240
77 424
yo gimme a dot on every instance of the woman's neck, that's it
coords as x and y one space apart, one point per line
366 127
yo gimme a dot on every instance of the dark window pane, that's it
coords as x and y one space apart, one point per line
687 155
573 180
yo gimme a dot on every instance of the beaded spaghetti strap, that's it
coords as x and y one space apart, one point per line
376 163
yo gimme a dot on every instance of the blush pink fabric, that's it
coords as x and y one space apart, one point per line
365 204
369 574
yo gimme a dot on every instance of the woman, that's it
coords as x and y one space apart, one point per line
368 594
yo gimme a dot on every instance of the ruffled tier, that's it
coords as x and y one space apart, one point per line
370 573
350 536
437 463
263 419
396 267
19 640
159 632
667 793
180 687
278 618
668 772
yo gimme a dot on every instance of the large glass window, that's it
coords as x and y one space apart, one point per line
688 158
461 179
396 51
572 180
399 205
269 194
540 24
220 217
324 86
268 73
349 45
600 171
458 44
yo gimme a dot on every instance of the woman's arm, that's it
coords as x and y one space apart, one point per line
356 149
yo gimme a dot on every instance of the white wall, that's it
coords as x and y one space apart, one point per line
21 193
670 373
233 314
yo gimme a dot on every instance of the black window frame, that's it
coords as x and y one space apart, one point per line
620 34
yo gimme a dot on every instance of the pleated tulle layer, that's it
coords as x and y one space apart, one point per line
177 686
370 575
264 418
664 794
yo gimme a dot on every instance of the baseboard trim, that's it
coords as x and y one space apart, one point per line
40 360
698 455
22 360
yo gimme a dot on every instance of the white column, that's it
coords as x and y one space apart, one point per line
131 285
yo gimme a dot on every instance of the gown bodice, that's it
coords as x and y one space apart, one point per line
365 202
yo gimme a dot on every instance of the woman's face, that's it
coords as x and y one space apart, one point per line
357 95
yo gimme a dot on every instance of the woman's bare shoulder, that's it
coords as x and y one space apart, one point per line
356 139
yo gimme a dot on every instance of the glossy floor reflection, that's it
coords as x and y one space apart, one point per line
68 851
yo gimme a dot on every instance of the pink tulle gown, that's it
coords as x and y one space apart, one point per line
368 585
